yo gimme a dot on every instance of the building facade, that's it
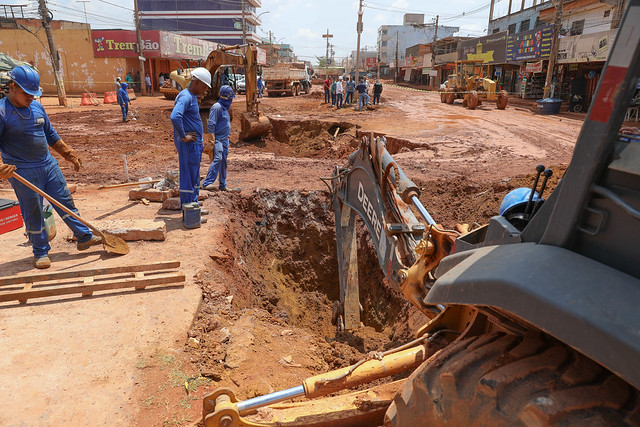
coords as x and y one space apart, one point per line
218 21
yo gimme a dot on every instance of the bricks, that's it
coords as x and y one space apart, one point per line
151 194
136 229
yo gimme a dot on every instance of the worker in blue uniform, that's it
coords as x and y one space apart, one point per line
25 137
219 125
187 133
123 100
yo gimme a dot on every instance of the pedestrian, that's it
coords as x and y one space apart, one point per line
362 95
147 82
124 101
351 87
118 84
219 125
327 89
187 133
377 90
25 137
160 80
129 80
260 86
339 93
333 91
578 91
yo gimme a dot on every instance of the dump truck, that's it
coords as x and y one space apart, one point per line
533 316
289 78
469 84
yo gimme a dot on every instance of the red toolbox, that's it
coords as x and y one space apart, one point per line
10 217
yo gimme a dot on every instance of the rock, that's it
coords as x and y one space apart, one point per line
240 342
286 332
135 229
150 194
172 204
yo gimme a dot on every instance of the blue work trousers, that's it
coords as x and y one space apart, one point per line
333 98
349 98
339 100
218 168
327 96
189 157
363 99
376 98
125 111
50 180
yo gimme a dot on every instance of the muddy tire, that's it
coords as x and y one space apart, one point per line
451 96
443 97
506 380
472 100
502 100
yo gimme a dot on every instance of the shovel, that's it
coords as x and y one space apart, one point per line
112 244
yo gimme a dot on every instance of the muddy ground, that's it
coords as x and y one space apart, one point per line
261 274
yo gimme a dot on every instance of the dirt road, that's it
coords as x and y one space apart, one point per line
261 274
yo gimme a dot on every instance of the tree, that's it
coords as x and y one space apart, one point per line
322 61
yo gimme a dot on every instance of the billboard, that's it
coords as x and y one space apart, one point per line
371 62
488 49
532 44
592 47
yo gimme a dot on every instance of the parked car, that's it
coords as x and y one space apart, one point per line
240 85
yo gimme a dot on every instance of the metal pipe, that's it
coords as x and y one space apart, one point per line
422 210
268 399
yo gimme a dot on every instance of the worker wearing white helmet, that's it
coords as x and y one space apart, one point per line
187 133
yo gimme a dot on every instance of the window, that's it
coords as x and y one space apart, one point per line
576 28
383 32
524 25
539 22
496 30
383 44
607 13
512 29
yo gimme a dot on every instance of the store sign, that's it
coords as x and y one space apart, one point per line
533 67
177 46
488 49
585 48
426 61
533 44
371 62
262 56
122 44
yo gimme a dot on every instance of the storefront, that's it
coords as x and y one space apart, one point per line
527 51
491 51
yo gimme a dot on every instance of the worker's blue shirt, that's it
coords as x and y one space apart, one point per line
219 123
351 86
123 97
25 135
185 116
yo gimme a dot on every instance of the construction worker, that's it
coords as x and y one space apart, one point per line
377 90
339 92
351 87
25 137
123 100
187 133
219 125
327 90
363 96
333 91
118 84
260 86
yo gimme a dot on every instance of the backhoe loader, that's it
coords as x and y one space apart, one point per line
533 316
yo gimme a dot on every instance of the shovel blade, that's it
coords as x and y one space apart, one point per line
114 244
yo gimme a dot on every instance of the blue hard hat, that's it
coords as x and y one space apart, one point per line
124 86
27 78
226 92
516 198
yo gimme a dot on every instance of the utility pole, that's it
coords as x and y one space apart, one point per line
244 25
326 57
84 6
433 47
395 77
557 25
270 48
55 57
143 86
359 30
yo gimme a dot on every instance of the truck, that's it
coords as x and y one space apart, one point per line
290 78
533 317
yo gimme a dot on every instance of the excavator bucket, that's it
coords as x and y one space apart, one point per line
252 126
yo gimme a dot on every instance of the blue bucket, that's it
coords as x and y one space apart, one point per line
549 105
191 215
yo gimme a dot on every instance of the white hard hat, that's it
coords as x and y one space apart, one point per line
202 74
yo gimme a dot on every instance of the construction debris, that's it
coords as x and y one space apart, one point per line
151 194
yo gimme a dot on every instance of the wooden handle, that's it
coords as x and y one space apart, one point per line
57 203
128 184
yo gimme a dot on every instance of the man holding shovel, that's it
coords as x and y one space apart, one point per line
25 137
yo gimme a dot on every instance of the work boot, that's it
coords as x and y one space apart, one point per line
210 187
42 262
86 245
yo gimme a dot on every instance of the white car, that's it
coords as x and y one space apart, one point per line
240 85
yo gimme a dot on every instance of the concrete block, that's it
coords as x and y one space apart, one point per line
135 229
151 194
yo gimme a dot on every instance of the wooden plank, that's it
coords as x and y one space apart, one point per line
42 277
27 286
161 279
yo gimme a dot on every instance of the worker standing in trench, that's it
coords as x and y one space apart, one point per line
25 137
219 125
187 134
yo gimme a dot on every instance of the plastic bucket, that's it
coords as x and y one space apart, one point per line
549 105
49 222
191 215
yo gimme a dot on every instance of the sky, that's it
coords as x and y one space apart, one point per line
301 23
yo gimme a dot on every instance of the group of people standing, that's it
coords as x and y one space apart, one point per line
335 88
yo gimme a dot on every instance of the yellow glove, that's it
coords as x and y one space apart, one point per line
6 170
68 154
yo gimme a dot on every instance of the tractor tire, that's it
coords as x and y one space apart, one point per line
451 96
502 100
472 100
506 380
307 89
443 97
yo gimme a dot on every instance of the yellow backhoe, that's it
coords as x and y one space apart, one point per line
469 84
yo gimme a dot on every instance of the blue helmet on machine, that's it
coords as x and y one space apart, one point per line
516 200
27 78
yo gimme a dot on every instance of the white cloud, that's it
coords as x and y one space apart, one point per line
306 33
